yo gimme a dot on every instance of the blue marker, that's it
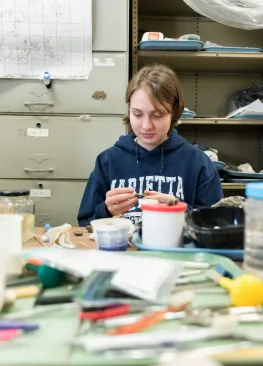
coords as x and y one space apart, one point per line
224 272
26 327
47 227
47 79
44 237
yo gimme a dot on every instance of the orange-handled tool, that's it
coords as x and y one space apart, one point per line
105 314
34 261
146 322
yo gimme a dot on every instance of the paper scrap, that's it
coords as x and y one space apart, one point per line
52 36
253 109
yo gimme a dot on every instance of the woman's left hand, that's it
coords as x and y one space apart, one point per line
153 195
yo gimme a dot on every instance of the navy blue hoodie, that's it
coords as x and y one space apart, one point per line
174 167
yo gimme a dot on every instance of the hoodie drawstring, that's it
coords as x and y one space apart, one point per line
162 161
162 157
137 154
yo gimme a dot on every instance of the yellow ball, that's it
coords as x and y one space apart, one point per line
246 290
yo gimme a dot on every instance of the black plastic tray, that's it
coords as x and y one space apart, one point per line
217 227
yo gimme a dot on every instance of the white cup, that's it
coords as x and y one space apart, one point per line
114 229
11 240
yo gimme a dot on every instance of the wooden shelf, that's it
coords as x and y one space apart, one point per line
233 185
208 62
220 121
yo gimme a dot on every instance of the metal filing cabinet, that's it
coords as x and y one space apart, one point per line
63 204
110 25
102 93
67 150
74 121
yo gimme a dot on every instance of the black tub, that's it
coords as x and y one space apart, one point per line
217 228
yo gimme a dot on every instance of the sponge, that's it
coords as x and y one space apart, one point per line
190 37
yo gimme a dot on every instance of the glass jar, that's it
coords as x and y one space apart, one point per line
19 202
253 259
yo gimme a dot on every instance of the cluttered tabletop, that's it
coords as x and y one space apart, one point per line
90 307
79 235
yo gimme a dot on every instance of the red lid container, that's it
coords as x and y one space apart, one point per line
163 207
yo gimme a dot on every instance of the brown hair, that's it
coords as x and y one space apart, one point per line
162 84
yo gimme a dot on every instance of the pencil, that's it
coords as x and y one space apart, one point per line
40 241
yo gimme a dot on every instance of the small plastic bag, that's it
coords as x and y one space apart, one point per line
242 98
244 14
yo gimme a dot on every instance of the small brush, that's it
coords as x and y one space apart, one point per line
178 304
178 339
139 195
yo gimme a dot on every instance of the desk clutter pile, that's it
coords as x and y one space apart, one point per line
229 172
238 106
241 106
163 305
155 41
99 310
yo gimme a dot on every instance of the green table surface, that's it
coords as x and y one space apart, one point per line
49 345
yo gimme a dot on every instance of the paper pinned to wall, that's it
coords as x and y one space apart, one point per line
46 35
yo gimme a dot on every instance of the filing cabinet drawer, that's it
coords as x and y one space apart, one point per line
65 149
61 207
102 93
110 25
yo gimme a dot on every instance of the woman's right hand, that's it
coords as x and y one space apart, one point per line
120 200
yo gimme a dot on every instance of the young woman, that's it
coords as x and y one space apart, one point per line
152 159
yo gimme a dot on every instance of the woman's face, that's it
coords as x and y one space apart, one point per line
149 123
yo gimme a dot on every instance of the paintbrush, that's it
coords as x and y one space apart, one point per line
139 195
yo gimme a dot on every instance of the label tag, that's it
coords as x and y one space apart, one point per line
104 62
38 132
154 36
42 193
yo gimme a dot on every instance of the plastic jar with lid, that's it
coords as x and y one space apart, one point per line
253 259
19 202
162 224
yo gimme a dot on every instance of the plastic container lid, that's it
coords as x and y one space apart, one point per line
111 224
16 193
255 190
163 207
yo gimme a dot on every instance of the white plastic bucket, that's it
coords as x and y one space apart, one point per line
11 241
162 225
4 258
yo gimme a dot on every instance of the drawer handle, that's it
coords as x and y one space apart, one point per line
27 104
50 170
99 95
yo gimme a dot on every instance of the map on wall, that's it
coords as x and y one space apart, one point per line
38 36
